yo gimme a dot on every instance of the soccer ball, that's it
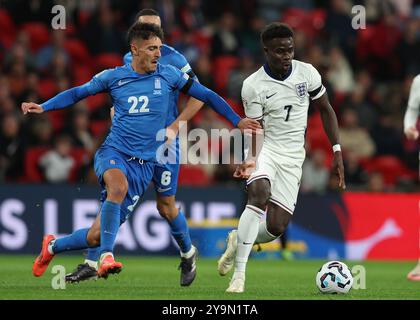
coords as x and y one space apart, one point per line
334 277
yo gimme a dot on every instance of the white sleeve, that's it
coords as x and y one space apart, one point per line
252 103
412 112
315 88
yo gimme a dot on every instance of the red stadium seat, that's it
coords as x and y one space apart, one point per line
57 119
47 88
107 60
38 33
222 66
364 41
78 52
236 106
309 22
32 171
317 18
96 101
8 29
82 74
99 127
295 18
203 41
316 138
191 175
80 156
391 168
84 17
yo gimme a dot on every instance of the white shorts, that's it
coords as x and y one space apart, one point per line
284 175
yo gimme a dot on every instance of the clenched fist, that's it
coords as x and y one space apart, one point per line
30 107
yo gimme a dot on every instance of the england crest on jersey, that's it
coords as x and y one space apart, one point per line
301 89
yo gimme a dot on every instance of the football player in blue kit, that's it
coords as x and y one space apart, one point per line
126 160
165 176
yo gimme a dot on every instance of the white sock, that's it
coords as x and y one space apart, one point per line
91 263
50 247
188 254
263 235
103 255
247 233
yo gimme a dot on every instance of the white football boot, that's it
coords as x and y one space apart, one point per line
237 284
226 261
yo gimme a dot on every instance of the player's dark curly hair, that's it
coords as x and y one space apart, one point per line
144 31
276 30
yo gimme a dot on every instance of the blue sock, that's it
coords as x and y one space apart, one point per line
110 223
93 254
76 241
179 230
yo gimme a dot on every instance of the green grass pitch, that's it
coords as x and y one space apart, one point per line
158 279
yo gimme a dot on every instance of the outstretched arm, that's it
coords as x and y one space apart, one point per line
219 105
330 124
62 100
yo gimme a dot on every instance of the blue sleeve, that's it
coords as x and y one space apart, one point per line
66 98
71 96
216 102
128 58
176 78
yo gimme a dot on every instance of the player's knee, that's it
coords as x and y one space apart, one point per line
276 230
167 210
117 193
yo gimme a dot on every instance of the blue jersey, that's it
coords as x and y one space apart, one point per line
169 56
141 103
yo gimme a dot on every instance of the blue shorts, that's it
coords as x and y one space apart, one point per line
139 173
165 179
165 175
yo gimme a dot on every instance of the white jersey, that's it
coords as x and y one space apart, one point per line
283 106
412 112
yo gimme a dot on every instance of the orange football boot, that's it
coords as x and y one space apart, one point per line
108 266
43 260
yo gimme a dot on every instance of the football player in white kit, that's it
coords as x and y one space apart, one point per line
411 132
277 95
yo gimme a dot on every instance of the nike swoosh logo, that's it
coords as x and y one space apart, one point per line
120 83
163 190
268 97
246 243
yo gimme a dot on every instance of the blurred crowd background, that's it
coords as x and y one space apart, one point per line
367 72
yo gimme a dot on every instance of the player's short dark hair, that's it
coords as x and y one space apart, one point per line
144 31
146 12
276 30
